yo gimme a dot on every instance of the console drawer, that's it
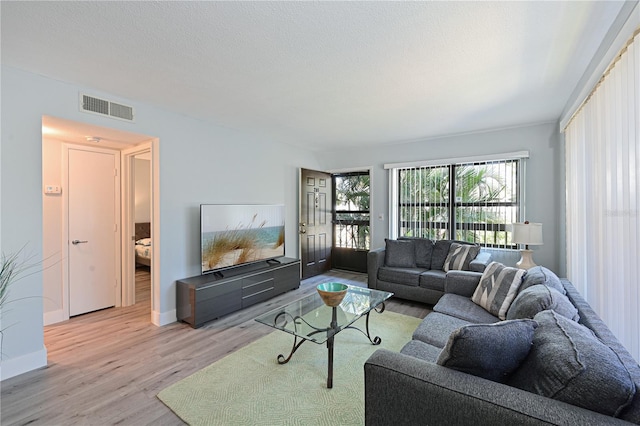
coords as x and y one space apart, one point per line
258 288
203 298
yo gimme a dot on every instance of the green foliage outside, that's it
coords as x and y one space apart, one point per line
352 194
424 202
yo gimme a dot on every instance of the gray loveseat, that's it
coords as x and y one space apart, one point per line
417 268
432 381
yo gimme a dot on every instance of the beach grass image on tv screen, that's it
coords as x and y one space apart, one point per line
238 234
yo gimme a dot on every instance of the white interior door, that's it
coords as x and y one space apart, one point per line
93 225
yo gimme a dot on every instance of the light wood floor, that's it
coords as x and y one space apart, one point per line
106 367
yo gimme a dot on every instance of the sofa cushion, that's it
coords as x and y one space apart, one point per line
440 253
421 350
436 328
538 298
463 283
463 308
568 363
433 279
423 250
541 275
407 276
481 261
497 288
491 351
459 257
399 254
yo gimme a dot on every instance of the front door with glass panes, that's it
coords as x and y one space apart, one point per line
351 221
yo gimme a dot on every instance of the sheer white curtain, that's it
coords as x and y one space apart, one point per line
603 197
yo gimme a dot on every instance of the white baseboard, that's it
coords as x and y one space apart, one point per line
157 318
164 318
53 317
15 366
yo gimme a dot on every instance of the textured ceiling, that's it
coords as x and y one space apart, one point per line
320 74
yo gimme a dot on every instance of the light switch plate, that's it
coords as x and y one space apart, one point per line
52 189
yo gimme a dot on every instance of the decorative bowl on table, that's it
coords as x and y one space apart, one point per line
332 293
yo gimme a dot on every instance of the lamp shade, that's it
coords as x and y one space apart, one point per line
527 233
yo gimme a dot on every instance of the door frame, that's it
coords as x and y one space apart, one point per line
128 220
66 147
369 170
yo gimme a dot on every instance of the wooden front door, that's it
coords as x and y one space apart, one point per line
316 229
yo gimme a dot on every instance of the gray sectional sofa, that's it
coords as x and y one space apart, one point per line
550 360
418 268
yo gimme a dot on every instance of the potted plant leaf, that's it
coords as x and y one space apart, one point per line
13 267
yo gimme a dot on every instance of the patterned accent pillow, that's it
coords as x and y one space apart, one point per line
492 351
459 257
497 288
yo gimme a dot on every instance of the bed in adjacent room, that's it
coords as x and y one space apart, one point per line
143 243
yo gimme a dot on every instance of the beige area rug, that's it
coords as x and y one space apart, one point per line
249 387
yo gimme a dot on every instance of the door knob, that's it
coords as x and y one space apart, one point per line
74 242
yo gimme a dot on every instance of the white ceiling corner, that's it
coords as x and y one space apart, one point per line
320 74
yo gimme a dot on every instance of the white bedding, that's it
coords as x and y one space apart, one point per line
143 251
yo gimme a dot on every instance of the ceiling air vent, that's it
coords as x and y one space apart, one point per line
120 111
104 107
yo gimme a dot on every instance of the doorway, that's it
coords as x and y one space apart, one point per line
56 133
143 225
351 220
138 246
334 221
92 223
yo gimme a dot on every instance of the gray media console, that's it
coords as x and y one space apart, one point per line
206 297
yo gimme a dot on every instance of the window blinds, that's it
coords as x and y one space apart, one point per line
603 197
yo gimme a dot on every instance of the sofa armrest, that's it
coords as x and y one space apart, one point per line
375 260
481 261
403 390
463 283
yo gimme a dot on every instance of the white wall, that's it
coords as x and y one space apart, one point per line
52 232
544 180
21 170
198 162
142 210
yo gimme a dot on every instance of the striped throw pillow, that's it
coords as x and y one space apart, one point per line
459 257
498 288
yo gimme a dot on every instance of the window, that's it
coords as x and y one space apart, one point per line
484 200
603 208
351 210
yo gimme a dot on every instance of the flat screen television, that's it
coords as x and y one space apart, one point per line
234 235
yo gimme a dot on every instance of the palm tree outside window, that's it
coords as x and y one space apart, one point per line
351 210
485 198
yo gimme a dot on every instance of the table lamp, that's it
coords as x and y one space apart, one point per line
528 234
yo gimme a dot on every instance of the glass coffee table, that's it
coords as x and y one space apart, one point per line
309 319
